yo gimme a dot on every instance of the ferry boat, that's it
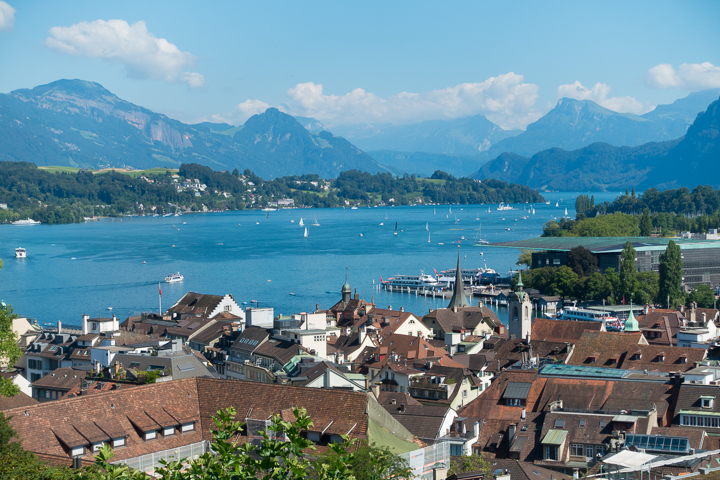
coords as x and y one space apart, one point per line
174 277
20 253
29 221
582 314
471 276
421 281
502 206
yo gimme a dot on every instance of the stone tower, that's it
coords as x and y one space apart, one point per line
519 312
458 300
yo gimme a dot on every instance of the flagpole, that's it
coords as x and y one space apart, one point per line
160 298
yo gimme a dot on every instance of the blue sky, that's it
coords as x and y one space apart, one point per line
375 62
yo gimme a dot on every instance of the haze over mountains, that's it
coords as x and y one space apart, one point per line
688 161
578 145
81 124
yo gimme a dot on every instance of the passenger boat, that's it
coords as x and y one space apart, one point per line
413 282
20 253
502 207
174 277
29 221
582 314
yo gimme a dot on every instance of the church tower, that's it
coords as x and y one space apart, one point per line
458 300
519 312
346 292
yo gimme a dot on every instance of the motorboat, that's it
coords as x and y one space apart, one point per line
20 253
174 277
28 221
502 207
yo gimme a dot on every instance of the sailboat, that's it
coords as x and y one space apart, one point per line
426 227
557 204
478 238
450 209
267 214
386 216
395 228
315 222
428 237
306 232
301 222
434 212
566 211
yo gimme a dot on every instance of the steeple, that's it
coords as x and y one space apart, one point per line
458 299
346 291
520 284
631 324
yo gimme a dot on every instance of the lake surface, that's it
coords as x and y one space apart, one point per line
86 268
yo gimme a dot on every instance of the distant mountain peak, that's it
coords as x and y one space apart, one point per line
83 88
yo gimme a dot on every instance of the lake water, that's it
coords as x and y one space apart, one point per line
86 268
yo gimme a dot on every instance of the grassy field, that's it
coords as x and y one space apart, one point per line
134 173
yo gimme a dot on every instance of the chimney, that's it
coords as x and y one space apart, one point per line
402 408
59 326
511 432
646 309
389 307
692 312
317 307
85 319
376 390
704 319
393 401
522 415
363 334
476 429
402 309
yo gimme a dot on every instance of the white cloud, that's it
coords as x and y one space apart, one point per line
142 53
7 16
504 100
599 94
689 76
242 112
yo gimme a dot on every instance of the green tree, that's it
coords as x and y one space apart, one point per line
647 287
525 258
612 292
582 261
469 463
370 462
703 295
645 223
628 272
18 464
671 272
9 350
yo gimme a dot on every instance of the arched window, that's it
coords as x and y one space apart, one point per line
515 313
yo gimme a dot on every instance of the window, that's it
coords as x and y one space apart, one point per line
582 423
603 424
464 393
559 423
588 451
97 446
514 402
551 452
707 402
600 450
34 377
167 431
78 451
228 308
576 450
456 450
118 442
150 435
187 427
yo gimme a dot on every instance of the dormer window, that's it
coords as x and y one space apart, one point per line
77 451
661 357
637 356
97 446
168 431
683 358
151 435
707 401
118 442
187 427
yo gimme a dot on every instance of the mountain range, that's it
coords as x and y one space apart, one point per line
690 160
81 124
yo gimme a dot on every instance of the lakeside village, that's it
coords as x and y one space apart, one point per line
544 398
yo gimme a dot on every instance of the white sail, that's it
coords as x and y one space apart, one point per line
306 232
566 211
428 237
301 222
426 227
315 222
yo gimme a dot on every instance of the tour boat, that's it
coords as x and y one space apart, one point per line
581 314
353 208
29 221
174 277
502 206
20 253
421 281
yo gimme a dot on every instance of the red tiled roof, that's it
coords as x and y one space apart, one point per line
570 331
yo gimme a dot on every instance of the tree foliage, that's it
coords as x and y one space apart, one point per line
469 463
582 261
646 226
703 295
671 271
615 225
9 350
273 459
628 273
525 258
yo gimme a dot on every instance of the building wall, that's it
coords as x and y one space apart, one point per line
227 304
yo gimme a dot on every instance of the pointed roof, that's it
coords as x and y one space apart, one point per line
631 325
458 299
346 286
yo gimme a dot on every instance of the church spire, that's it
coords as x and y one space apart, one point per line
520 284
458 299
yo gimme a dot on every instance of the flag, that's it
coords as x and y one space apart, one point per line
160 288
436 274
623 299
